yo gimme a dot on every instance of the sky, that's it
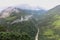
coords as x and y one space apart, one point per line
46 4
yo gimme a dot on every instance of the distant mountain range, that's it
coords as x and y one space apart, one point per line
23 8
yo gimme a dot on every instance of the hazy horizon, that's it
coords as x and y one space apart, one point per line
45 4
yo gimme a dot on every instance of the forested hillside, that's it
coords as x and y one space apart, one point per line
15 22
50 25
30 24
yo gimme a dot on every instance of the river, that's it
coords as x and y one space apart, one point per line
36 37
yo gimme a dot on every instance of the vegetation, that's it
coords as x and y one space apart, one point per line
11 28
50 25
14 36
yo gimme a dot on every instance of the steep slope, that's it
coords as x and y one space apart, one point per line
10 10
50 25
19 20
16 20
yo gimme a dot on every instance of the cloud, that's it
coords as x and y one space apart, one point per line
47 4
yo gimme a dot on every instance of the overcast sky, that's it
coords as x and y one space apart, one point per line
46 4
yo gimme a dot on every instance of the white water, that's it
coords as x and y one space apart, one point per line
36 37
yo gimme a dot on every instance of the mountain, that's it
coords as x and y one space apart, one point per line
50 25
37 12
30 9
29 21
18 20
25 8
10 10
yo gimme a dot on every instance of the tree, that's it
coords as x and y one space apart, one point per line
14 36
